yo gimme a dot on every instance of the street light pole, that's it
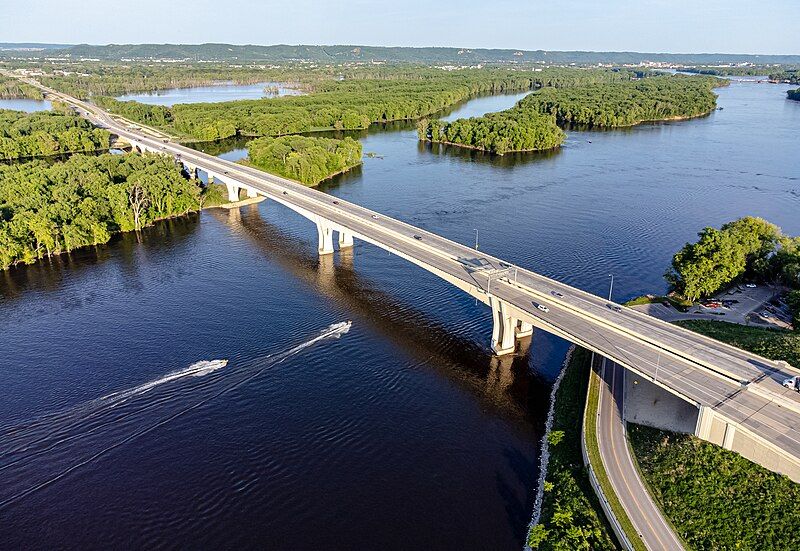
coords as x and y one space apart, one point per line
611 287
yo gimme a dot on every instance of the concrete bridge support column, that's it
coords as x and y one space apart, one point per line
345 240
503 328
325 234
233 191
251 193
523 329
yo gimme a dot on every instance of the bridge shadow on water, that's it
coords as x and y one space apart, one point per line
507 385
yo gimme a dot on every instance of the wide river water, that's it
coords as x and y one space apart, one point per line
401 433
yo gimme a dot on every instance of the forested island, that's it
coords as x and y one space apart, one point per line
47 133
51 209
533 122
363 98
789 76
307 160
794 94
11 88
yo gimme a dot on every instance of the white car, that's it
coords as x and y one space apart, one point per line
374 216
793 383
541 307
751 285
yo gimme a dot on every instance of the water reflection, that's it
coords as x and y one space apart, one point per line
505 384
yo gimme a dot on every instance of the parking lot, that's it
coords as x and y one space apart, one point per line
740 304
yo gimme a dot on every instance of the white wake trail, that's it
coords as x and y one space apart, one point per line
197 369
335 330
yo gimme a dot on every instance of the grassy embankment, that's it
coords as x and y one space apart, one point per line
770 343
680 304
715 498
571 517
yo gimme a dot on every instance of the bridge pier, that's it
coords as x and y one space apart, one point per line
503 328
251 193
233 191
345 240
523 329
325 234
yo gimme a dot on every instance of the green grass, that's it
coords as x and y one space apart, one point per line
680 304
571 514
770 343
593 451
715 498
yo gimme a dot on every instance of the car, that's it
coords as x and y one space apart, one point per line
418 237
793 383
165 140
336 202
556 294
751 285
374 216
541 307
226 172
286 193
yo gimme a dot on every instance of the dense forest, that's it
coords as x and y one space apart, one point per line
790 76
532 123
49 209
351 103
46 133
11 88
794 94
745 249
628 103
307 160
515 129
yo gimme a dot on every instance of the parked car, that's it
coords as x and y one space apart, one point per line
751 286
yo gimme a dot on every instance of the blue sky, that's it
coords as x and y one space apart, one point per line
734 26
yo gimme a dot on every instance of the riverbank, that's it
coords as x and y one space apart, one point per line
570 515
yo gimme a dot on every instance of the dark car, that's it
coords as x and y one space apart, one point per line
286 193
336 202
418 237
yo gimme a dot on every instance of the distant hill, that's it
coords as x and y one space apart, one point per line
31 46
344 53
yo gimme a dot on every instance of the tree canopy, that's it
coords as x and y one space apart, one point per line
794 94
745 248
45 133
307 160
48 209
355 101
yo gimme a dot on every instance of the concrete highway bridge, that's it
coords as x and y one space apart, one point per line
738 397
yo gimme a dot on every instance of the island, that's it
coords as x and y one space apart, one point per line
532 123
47 133
794 94
307 160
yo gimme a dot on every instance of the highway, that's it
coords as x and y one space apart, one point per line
741 387
644 514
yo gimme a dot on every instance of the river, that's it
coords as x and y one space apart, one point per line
211 94
402 432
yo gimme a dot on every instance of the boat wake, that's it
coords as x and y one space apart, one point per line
46 448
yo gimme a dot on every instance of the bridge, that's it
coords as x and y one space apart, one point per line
738 397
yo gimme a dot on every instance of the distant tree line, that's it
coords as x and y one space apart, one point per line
307 160
789 76
11 88
746 249
47 133
351 103
533 122
50 209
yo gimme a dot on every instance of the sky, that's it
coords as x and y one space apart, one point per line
679 26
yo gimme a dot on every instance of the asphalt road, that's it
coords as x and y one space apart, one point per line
743 387
644 514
